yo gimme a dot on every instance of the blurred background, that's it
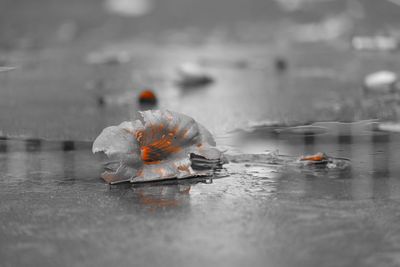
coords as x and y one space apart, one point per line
83 64
261 75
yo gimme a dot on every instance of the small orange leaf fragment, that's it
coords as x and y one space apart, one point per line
316 157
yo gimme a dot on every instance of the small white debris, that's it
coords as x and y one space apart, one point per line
5 69
192 75
389 127
381 81
378 43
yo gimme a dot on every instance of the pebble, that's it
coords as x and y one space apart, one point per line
381 81
192 75
147 97
378 43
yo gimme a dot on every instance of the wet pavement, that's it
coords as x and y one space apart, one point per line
56 211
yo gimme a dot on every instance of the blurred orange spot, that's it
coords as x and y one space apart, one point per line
147 97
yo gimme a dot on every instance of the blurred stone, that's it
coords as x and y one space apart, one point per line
192 75
281 64
129 8
378 43
389 127
381 81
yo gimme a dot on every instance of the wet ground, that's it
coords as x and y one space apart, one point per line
55 210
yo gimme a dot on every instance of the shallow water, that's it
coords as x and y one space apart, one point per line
55 205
